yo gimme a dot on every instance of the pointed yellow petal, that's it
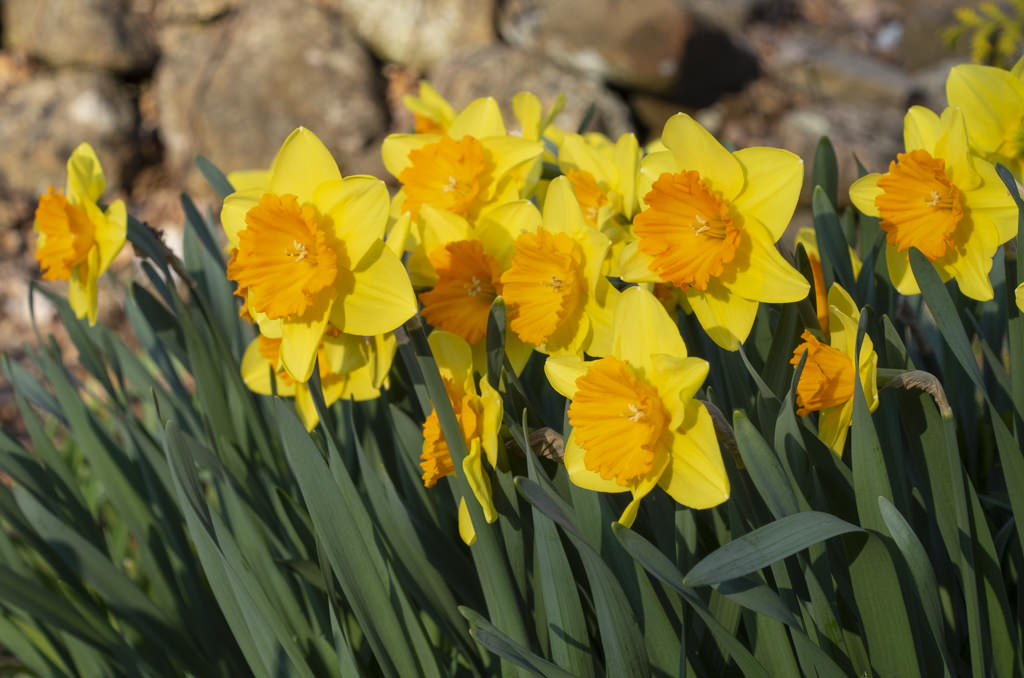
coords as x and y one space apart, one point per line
438 227
562 372
952 147
244 180
562 212
466 531
583 477
454 358
834 425
256 370
696 149
760 272
726 317
509 154
900 275
921 129
576 153
345 352
491 421
85 176
381 297
232 214
482 118
643 329
696 476
498 228
635 266
300 340
396 148
306 408
863 193
1018 296
527 109
642 489
774 178
301 165
627 161
357 210
478 480
677 380
992 101
651 167
83 293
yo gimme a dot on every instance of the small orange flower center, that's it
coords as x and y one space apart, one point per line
283 260
424 125
589 195
544 284
447 174
436 460
919 205
687 229
619 420
468 282
827 377
67 235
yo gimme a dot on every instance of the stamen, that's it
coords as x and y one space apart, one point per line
636 414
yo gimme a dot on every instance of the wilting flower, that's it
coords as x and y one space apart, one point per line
350 368
827 381
307 250
78 240
992 102
941 199
635 423
554 287
710 225
479 413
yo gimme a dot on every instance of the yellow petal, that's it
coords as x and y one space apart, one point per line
306 408
562 212
300 340
439 227
478 480
583 477
301 165
759 272
396 148
357 208
256 370
482 118
774 178
562 372
381 297
498 228
576 153
466 531
345 352
972 262
833 426
643 329
993 200
85 176
992 101
527 109
635 266
726 317
244 180
652 167
677 380
491 421
695 476
695 148
82 291
921 129
232 214
952 147
1019 296
510 153
863 193
641 490
454 358
627 161
900 275
111 229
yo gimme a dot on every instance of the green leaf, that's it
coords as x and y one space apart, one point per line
826 171
835 251
215 177
766 545
500 644
764 467
496 326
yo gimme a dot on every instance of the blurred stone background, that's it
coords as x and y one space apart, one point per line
151 83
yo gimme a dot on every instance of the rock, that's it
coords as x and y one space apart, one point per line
185 11
631 44
94 33
233 89
468 75
732 15
419 33
46 117
826 70
873 133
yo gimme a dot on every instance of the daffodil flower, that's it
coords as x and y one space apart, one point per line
77 239
710 225
992 102
432 114
635 423
942 199
468 168
350 368
307 251
479 413
554 287
826 383
807 237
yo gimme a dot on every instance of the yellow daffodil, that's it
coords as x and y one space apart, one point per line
479 413
77 239
635 423
992 102
1019 296
350 368
307 251
465 170
432 114
558 298
710 225
826 384
807 237
941 199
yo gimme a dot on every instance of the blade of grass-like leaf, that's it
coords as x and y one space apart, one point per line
500 644
199 226
495 342
766 545
765 470
870 479
825 172
217 180
620 633
1015 332
746 662
835 252
921 568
